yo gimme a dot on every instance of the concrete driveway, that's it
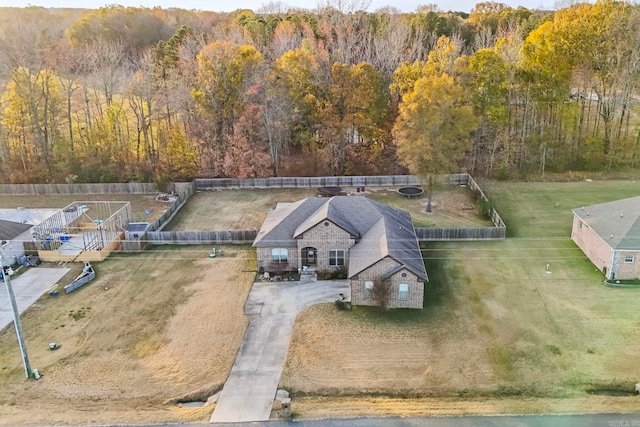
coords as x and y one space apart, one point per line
272 308
27 288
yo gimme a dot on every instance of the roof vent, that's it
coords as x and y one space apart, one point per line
587 213
611 237
621 215
583 208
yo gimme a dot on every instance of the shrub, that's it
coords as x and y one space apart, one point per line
503 174
484 207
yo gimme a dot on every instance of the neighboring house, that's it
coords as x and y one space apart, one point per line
15 230
12 236
609 234
370 240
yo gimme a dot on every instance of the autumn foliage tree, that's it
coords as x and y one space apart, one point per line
125 93
247 156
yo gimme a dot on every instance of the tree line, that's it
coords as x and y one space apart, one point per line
137 94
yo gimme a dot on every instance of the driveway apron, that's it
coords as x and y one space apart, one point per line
272 308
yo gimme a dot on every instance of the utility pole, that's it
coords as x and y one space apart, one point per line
16 318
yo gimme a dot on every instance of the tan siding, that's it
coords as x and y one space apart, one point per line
592 245
416 287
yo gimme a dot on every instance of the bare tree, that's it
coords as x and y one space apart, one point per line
381 293
391 46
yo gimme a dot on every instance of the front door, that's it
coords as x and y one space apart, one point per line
308 256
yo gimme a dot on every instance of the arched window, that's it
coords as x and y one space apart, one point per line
279 255
368 286
403 291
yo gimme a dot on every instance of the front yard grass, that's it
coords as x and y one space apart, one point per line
153 328
496 327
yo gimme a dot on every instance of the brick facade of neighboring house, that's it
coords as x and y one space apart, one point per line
369 240
609 235
593 246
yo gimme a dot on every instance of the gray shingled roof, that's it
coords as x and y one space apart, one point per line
381 230
617 223
10 229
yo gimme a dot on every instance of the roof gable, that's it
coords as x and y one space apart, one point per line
280 224
381 230
617 223
328 211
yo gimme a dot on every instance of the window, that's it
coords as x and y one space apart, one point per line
368 285
579 225
336 257
403 292
279 255
628 259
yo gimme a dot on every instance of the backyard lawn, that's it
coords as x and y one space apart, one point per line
497 330
153 328
452 206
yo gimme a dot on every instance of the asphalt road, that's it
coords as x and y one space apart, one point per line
586 420
27 288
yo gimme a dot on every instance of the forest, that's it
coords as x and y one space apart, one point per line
154 95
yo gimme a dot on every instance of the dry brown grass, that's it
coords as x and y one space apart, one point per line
246 209
491 327
140 203
154 327
232 209
495 328
323 407
338 353
451 206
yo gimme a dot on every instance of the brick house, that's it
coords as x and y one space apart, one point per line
370 240
609 235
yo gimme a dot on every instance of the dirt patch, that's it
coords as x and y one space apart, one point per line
156 326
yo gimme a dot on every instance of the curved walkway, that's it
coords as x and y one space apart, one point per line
272 308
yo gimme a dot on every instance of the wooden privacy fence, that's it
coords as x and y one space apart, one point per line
495 218
304 182
189 190
432 234
200 237
86 188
